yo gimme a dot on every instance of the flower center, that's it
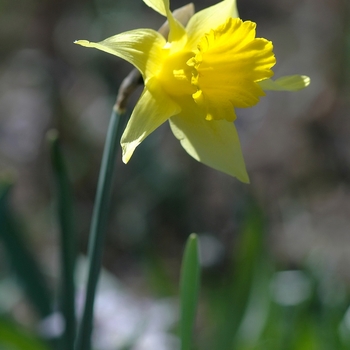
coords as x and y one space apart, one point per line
227 66
175 75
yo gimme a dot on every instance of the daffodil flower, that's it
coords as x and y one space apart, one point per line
195 78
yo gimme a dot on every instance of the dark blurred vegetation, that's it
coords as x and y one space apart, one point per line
296 146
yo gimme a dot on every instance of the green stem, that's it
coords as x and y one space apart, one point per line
98 228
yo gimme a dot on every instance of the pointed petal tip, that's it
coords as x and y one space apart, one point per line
125 160
85 43
306 80
128 149
240 174
245 179
286 83
126 155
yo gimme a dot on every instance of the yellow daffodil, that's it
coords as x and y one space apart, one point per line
195 78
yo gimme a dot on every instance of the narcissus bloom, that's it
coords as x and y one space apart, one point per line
195 78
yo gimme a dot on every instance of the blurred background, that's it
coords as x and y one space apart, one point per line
297 151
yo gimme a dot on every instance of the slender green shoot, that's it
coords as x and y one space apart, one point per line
25 266
189 289
68 237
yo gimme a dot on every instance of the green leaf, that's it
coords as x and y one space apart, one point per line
235 298
12 337
24 265
189 289
68 237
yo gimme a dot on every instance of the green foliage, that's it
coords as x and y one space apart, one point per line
68 239
13 337
21 258
253 305
189 288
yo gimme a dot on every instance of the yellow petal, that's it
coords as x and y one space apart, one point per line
182 14
286 83
152 110
159 6
177 31
211 17
143 48
214 143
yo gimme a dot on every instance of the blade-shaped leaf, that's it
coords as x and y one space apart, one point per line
189 288
68 238
24 264
12 337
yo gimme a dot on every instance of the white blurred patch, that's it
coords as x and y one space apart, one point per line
211 250
124 319
290 288
52 326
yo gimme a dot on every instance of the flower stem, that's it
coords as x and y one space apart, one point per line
98 228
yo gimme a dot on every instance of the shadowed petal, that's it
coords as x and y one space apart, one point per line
287 83
152 110
143 48
214 143
210 18
182 14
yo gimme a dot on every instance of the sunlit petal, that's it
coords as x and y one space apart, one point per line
152 110
142 47
214 143
229 62
203 21
286 83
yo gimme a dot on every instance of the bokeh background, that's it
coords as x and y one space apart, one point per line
296 146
